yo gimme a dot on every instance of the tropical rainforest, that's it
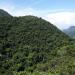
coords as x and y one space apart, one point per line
33 46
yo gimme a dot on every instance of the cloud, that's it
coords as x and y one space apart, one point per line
60 18
25 11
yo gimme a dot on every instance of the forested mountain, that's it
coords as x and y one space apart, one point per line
70 31
4 13
32 46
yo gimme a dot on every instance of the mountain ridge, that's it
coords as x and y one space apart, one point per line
33 46
4 13
70 31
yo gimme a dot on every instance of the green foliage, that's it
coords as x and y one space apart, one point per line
4 13
33 46
35 73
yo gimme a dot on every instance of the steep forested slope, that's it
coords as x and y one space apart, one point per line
4 13
30 44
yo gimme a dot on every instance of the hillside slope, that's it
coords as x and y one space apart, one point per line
32 44
70 31
4 13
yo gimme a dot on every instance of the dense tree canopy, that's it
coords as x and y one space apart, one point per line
33 46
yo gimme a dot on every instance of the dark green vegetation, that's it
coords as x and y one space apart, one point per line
4 13
33 46
70 31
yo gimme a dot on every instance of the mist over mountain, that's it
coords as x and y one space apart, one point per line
70 31
33 46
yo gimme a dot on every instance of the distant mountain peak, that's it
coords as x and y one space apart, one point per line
72 27
70 31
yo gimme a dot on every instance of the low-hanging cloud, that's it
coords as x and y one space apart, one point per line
61 19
